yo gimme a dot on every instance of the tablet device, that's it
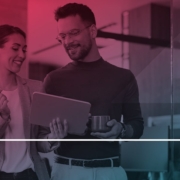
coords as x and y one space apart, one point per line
45 108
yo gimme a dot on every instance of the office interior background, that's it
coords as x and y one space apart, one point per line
140 35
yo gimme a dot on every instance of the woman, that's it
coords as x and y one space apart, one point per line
19 160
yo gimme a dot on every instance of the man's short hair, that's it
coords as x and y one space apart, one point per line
72 9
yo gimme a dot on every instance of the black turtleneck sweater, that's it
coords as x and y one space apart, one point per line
110 90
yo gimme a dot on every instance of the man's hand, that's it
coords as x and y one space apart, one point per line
58 129
4 109
116 129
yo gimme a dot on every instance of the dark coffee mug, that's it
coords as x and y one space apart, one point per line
99 123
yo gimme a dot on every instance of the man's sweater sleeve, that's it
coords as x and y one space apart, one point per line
131 108
128 101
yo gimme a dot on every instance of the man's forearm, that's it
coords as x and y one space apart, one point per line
137 128
128 132
46 146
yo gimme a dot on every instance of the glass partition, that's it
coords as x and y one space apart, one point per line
176 80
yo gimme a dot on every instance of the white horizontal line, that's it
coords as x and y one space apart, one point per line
121 140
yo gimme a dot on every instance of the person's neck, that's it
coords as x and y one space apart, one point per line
7 81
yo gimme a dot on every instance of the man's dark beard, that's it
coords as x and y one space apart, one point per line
84 51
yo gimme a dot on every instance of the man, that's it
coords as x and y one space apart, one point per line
111 91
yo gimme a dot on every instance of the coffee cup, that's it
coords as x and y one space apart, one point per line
99 123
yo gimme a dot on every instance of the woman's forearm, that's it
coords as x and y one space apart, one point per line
3 125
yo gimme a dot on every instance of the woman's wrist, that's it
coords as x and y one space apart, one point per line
3 125
5 117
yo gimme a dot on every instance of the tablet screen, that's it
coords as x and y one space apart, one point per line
46 107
